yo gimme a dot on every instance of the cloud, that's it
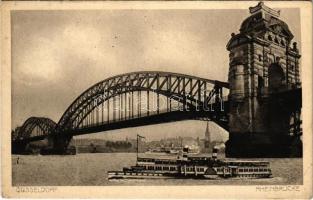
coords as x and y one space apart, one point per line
84 41
172 46
39 62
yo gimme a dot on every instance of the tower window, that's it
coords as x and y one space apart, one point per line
292 67
276 40
269 37
282 43
260 57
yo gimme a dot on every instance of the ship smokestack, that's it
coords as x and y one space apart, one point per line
214 152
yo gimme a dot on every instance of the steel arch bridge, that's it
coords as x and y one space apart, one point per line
192 93
137 99
35 127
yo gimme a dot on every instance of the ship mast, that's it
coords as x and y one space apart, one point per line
137 148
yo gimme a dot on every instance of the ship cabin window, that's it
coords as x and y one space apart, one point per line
190 169
172 168
240 170
150 168
245 170
158 168
250 170
145 160
165 168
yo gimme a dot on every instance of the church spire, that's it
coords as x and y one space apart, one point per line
207 133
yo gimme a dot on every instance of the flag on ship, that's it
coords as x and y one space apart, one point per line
140 137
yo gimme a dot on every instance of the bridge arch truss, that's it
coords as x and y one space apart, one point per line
121 97
35 127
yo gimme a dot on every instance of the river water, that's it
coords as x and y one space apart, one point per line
91 170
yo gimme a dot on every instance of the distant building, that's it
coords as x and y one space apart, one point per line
207 144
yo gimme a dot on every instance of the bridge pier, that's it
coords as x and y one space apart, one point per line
273 131
18 147
58 145
262 145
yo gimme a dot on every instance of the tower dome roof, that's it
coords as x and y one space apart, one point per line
265 18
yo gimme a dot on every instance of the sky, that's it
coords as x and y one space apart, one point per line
56 55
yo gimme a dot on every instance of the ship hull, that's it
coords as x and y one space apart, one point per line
153 175
138 175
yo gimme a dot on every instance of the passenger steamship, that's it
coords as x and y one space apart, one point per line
193 166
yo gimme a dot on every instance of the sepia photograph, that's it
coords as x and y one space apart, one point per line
150 95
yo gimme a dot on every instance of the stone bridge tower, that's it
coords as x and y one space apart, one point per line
263 62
